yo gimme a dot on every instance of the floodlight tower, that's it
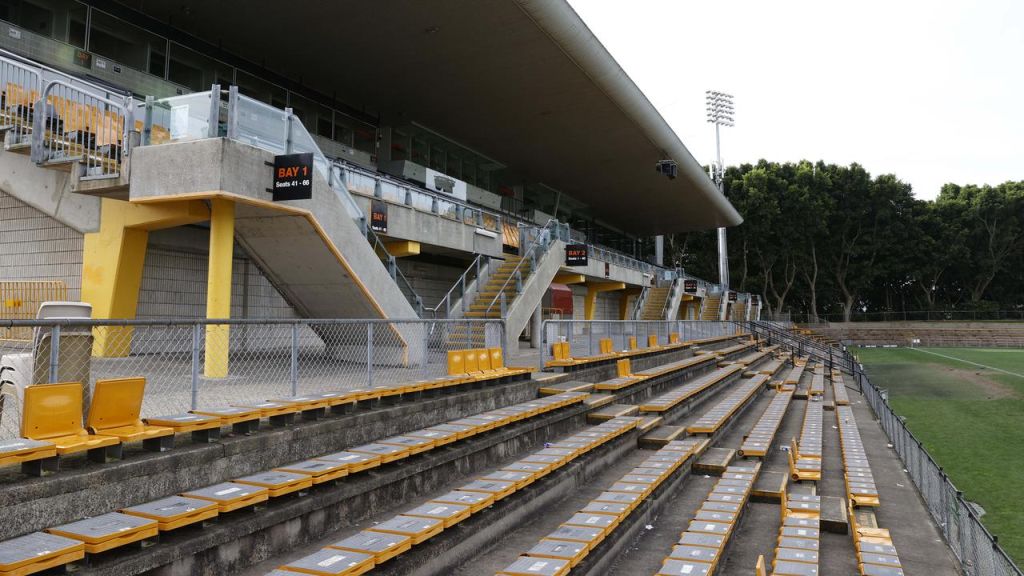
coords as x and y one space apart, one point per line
720 111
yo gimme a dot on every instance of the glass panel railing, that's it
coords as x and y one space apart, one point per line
176 119
261 125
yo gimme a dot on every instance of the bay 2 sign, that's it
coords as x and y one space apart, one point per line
575 254
293 177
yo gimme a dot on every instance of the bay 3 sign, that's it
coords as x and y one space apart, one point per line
293 177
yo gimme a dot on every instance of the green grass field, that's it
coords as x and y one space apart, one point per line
971 420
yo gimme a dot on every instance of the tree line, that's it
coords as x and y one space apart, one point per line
820 239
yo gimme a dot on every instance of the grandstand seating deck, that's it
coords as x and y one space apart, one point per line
594 513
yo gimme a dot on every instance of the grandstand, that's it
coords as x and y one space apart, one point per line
250 328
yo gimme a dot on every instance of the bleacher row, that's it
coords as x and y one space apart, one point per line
701 545
796 373
799 540
23 556
772 366
839 395
805 455
755 356
53 413
561 352
626 379
564 548
390 538
876 555
860 483
713 419
760 438
817 381
691 388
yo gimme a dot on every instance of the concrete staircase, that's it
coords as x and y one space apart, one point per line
523 280
654 305
486 302
710 309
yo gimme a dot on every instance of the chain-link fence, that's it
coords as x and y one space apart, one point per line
188 364
978 551
585 336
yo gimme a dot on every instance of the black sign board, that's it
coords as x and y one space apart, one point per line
293 177
379 216
755 300
733 296
83 58
575 254
690 286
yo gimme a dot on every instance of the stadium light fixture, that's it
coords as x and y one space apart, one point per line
720 111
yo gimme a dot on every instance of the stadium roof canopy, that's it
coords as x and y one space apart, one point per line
523 81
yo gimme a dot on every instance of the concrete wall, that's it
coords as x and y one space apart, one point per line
431 281
616 273
34 246
605 308
408 223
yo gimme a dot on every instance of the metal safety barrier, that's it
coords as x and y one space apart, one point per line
71 124
191 363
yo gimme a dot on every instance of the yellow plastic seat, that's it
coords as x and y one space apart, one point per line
472 364
38 551
115 408
22 450
632 343
53 412
624 369
498 364
652 341
456 363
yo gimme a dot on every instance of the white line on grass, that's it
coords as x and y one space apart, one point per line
969 362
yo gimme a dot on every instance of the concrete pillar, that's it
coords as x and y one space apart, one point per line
659 250
218 286
538 321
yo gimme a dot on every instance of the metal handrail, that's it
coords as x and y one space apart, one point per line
529 254
346 166
478 265
391 264
42 148
638 306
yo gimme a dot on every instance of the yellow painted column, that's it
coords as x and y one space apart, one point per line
590 300
218 286
112 261
624 302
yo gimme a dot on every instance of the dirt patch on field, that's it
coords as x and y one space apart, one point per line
992 389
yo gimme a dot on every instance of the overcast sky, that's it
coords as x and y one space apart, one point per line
932 91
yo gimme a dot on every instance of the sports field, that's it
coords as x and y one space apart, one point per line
967 406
